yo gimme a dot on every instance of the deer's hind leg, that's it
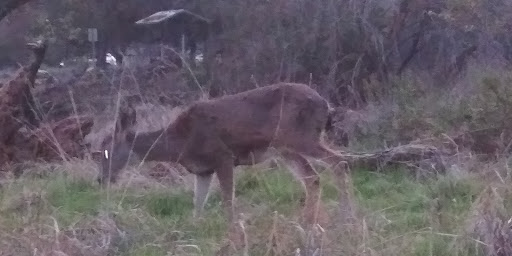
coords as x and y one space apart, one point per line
339 167
226 182
308 177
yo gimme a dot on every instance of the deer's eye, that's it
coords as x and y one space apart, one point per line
106 154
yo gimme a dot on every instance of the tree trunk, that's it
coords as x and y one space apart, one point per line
10 5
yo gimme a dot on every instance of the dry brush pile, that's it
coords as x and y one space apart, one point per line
24 137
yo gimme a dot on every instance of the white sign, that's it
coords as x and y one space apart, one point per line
92 34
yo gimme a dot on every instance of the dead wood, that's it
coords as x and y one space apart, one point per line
23 137
486 144
14 106
16 100
412 155
56 141
63 139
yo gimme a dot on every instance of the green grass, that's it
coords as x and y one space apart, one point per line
73 197
169 205
148 251
399 210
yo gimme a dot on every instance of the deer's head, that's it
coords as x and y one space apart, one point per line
115 149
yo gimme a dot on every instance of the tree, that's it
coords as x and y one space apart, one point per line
10 5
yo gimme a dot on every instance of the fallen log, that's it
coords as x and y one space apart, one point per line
411 155
52 142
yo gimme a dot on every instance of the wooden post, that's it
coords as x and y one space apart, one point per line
183 45
93 38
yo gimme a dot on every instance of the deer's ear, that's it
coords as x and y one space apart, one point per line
127 116
96 156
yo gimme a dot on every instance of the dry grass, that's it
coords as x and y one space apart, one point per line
57 209
61 211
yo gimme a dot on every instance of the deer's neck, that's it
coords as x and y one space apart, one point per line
159 145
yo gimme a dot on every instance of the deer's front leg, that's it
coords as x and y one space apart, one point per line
201 190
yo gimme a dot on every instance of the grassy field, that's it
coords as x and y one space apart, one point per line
59 210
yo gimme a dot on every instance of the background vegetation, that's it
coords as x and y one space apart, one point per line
398 71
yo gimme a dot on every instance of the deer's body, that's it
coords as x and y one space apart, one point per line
214 136
246 124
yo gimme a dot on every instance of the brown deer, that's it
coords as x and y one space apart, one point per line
214 136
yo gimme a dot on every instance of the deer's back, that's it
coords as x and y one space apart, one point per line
283 113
